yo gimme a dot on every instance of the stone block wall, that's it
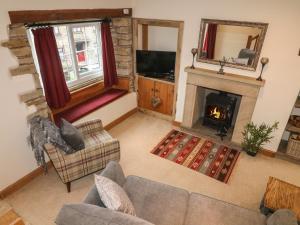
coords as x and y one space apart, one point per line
121 31
19 46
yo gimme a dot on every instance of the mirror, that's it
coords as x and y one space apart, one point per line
239 43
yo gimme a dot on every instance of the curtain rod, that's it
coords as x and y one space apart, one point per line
32 25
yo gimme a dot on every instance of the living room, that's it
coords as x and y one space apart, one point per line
141 124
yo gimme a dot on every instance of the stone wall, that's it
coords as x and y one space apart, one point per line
18 43
121 31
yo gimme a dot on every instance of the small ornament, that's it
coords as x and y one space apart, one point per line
155 101
194 52
222 64
264 61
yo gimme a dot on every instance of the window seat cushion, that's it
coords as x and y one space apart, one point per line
89 106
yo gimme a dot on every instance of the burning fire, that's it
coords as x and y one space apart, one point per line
216 113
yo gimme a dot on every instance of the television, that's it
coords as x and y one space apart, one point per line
155 63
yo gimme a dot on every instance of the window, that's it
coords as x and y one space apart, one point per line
79 47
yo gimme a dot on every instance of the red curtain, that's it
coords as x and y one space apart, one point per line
56 90
210 40
108 55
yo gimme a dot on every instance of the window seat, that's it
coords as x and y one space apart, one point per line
89 106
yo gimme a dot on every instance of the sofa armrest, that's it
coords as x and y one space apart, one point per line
89 127
78 214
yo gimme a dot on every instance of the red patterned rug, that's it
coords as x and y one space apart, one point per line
199 154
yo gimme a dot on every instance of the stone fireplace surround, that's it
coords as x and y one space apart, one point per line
199 79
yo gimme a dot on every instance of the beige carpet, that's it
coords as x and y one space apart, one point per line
40 201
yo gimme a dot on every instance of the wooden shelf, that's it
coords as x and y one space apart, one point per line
291 128
281 153
157 79
297 105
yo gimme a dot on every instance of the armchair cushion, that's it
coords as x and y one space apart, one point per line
71 135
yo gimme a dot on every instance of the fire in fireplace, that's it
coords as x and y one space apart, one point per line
219 110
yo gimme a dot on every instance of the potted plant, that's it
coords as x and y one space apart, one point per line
255 136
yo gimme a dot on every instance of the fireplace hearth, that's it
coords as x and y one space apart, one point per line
219 110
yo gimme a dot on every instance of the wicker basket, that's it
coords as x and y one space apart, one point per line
293 148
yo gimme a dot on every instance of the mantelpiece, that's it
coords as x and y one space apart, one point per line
198 79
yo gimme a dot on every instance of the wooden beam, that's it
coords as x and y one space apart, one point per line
159 23
31 16
145 36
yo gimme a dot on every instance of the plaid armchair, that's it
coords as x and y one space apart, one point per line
100 148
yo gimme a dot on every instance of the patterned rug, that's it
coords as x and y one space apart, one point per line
199 154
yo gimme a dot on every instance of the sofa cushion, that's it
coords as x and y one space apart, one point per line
113 171
155 202
71 135
203 210
85 214
113 196
282 216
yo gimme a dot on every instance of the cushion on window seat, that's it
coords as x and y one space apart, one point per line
89 106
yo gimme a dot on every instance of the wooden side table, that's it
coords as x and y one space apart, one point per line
281 195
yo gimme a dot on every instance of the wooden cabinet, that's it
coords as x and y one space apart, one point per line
150 89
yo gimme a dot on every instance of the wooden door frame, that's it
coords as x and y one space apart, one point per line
160 23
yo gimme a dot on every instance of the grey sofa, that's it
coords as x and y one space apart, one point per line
156 203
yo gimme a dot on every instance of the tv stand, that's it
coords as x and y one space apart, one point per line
165 77
150 89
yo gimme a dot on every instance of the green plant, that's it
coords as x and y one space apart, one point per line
255 136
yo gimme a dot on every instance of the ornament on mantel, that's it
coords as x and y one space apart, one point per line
264 61
194 53
222 64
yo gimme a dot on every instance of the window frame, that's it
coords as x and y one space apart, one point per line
81 80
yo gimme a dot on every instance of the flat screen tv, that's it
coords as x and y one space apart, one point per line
155 63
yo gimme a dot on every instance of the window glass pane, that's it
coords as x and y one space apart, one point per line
67 63
64 50
87 50
91 37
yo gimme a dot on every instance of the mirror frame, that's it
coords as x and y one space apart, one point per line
262 26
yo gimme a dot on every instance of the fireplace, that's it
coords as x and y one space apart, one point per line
202 82
218 112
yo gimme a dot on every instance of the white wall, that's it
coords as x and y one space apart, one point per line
281 45
159 38
16 158
162 38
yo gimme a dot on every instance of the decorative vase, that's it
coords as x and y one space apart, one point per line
194 53
252 151
253 154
